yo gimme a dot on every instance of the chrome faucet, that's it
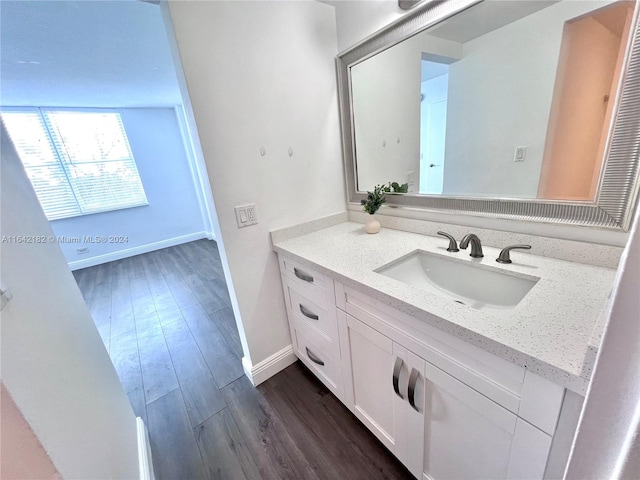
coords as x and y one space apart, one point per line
476 246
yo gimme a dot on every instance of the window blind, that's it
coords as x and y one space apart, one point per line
79 162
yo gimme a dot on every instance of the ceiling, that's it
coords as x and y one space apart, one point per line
486 17
85 54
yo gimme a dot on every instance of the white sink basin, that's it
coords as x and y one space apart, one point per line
461 281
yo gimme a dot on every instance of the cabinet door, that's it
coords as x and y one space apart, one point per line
375 371
415 411
468 436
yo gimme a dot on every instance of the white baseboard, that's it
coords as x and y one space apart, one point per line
144 452
130 252
267 368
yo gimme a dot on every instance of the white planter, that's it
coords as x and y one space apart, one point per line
372 225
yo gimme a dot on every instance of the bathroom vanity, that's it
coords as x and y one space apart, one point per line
455 388
467 367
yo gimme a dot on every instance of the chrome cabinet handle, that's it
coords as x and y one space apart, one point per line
307 313
396 377
302 276
411 391
313 358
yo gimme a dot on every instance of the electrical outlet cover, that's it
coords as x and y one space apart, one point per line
246 215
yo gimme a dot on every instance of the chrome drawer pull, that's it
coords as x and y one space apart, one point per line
396 376
302 276
313 358
308 314
411 391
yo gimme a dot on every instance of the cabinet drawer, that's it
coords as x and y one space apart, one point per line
319 317
307 276
322 361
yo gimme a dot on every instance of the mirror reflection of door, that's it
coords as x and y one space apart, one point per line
589 68
433 125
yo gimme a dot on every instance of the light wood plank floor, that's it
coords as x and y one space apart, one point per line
165 318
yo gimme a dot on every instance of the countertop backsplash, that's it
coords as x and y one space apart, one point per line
570 250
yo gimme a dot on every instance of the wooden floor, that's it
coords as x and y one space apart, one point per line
166 320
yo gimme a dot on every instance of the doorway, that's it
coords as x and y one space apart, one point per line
433 125
157 293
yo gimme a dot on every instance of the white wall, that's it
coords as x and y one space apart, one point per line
174 212
356 20
54 363
386 107
262 74
499 98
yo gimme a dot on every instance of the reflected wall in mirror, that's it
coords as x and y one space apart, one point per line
507 99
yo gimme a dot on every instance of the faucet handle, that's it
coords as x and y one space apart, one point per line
453 246
504 256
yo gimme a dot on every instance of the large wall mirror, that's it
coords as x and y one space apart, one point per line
526 109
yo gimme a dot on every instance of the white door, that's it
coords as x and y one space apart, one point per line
434 164
468 436
433 126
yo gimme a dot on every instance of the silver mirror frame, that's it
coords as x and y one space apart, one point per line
618 186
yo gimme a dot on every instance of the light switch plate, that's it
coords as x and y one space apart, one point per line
246 215
520 154
411 178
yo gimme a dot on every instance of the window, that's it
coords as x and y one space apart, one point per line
79 162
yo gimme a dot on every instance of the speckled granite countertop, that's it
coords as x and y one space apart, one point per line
548 332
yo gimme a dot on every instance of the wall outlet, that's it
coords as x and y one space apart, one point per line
411 178
520 154
246 215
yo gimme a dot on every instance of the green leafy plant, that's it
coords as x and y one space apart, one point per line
374 199
395 187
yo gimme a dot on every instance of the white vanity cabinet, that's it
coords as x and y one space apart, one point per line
436 425
445 408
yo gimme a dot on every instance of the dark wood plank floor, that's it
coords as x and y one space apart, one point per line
165 317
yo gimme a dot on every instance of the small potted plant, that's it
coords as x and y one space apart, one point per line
371 205
395 187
